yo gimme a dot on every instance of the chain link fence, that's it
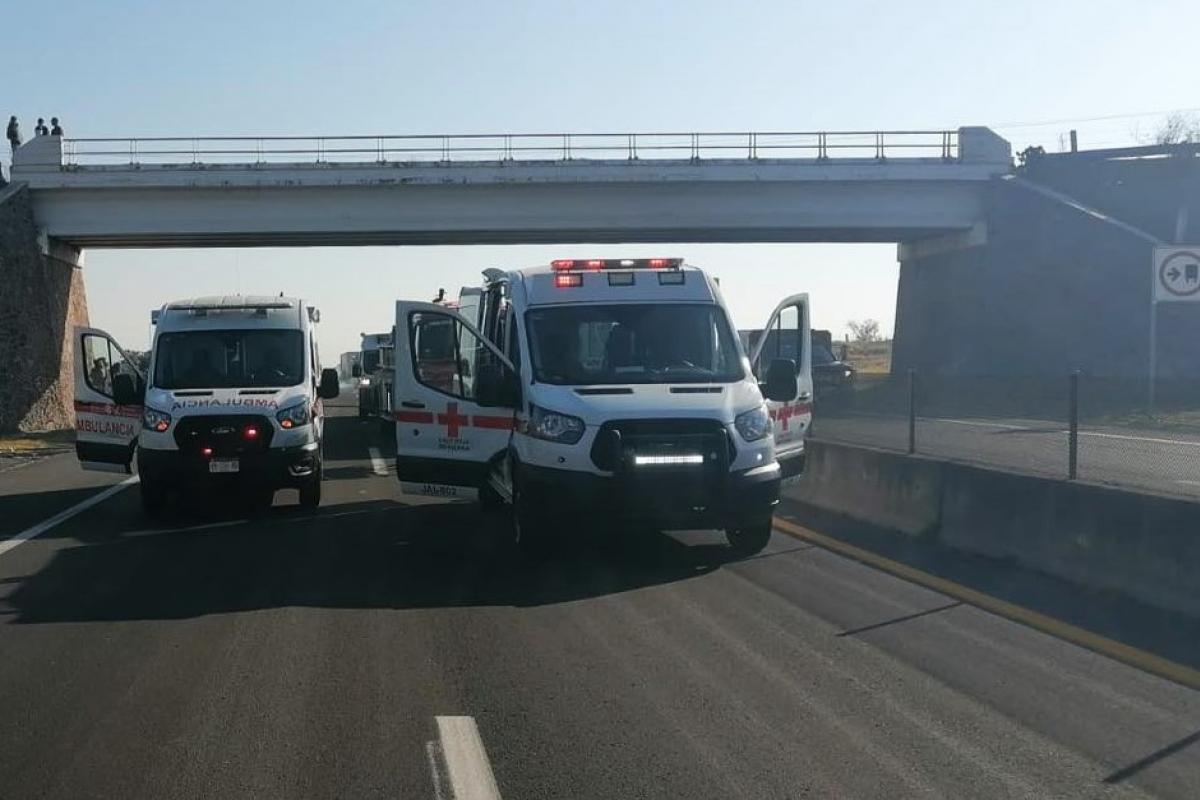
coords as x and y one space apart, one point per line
1073 426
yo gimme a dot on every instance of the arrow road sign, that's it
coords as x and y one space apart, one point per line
1176 274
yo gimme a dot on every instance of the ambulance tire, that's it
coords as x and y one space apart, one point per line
153 497
310 490
530 529
750 538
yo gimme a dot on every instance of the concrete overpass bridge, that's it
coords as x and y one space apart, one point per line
992 264
725 187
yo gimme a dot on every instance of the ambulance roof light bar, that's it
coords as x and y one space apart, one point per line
573 264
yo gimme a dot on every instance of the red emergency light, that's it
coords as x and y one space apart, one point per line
206 451
251 432
567 264
567 281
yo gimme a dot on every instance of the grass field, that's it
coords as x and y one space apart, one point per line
868 357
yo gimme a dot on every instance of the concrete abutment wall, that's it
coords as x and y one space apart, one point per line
42 299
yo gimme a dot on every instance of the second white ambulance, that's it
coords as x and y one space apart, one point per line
603 386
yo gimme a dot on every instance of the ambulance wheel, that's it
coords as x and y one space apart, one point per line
310 490
530 529
749 539
154 497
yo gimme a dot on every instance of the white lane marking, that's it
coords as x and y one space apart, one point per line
976 424
377 462
1150 439
467 763
1097 434
63 516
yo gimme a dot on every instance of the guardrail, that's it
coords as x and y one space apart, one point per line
559 147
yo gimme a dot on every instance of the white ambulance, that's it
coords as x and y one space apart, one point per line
232 396
603 386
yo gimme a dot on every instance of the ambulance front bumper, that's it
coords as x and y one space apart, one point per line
276 468
667 498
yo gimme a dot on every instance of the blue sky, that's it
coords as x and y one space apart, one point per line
162 68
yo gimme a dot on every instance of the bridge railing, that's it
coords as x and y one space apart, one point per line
555 147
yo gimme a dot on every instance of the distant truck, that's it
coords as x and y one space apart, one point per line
346 365
374 373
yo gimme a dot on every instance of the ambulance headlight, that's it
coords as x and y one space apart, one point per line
155 420
364 381
293 417
754 424
554 427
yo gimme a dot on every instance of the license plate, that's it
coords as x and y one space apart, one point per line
223 465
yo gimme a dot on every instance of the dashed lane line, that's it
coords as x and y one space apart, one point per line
64 515
466 760
377 462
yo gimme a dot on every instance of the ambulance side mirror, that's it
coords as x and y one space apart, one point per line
125 390
496 386
780 385
329 387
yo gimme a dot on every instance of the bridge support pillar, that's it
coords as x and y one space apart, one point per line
1052 288
41 299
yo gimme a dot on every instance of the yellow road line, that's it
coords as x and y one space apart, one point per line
1156 665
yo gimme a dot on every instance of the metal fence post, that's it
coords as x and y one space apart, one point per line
1073 429
912 411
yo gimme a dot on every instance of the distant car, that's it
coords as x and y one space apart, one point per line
831 375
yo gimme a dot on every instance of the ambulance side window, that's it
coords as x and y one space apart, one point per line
446 355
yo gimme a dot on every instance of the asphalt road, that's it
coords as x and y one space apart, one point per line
355 652
1158 460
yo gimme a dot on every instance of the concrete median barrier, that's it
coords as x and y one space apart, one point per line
887 489
1143 545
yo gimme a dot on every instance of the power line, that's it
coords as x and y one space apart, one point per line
1068 120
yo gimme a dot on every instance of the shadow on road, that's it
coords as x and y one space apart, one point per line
1169 634
378 554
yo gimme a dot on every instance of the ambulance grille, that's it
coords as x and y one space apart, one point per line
615 435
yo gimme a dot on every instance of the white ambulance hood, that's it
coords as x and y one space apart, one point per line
598 404
191 402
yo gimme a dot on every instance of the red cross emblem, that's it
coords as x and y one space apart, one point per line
783 414
452 420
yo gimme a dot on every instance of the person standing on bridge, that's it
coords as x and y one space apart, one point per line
14 133
40 129
55 128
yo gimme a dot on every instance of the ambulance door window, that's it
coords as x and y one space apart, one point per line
447 356
97 364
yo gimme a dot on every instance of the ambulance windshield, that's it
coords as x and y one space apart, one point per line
604 344
229 359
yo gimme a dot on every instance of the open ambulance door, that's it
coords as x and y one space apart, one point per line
455 401
108 402
787 336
